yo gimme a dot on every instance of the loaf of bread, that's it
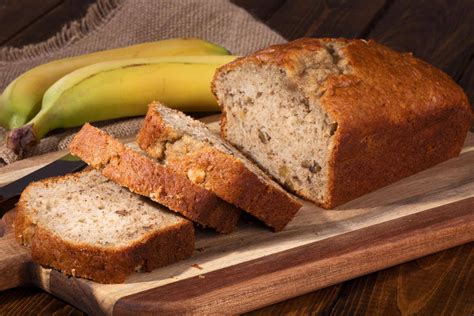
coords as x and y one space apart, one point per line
333 119
90 227
133 169
189 147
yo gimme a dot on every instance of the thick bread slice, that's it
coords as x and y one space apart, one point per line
132 169
90 227
189 147
333 119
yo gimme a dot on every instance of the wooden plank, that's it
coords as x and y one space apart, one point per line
262 10
16 15
467 82
438 31
319 302
434 285
297 271
48 23
33 301
14 259
346 18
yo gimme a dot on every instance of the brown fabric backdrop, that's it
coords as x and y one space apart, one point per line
116 23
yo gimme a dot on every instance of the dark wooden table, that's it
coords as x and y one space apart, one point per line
438 31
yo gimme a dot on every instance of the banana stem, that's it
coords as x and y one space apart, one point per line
21 139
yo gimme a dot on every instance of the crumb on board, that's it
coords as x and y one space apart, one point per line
197 266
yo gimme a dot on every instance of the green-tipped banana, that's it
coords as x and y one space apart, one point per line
121 89
21 100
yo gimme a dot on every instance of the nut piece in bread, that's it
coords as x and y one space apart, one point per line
333 119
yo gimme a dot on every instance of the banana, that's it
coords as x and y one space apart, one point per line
21 100
120 89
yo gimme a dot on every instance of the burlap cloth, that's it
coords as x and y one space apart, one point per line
116 23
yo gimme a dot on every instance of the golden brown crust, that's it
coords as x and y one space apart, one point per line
378 160
222 174
396 114
283 55
144 176
420 119
102 264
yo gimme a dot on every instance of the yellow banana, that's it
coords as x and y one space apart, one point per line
121 89
21 100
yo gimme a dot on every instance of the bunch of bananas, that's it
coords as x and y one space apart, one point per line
109 84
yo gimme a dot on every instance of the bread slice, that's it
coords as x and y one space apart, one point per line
90 227
333 119
189 147
133 169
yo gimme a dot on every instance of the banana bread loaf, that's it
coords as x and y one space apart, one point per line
333 119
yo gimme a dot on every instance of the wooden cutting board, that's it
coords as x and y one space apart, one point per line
253 267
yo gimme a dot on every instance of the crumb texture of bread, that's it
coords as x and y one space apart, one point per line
333 119
132 168
189 147
87 226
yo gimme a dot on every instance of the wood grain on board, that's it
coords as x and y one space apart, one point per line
315 303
